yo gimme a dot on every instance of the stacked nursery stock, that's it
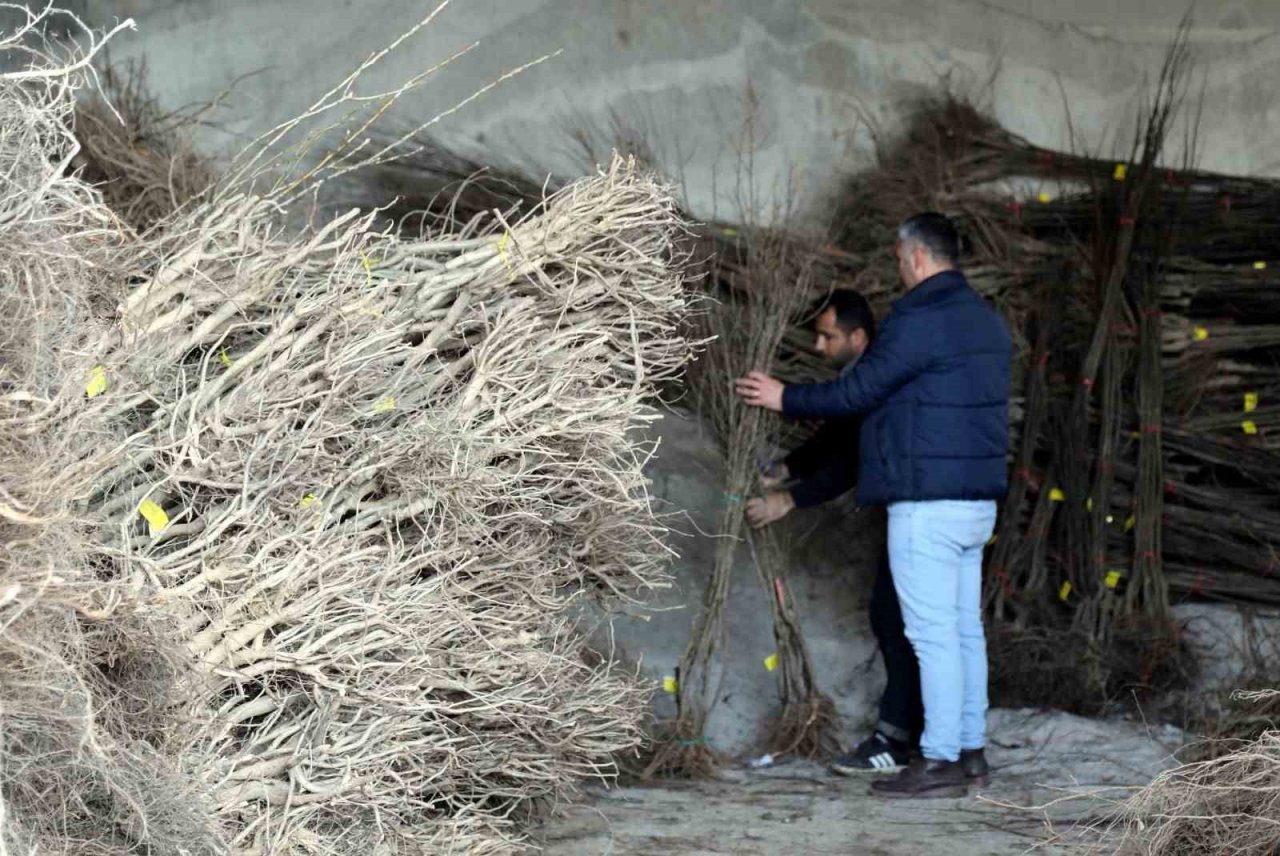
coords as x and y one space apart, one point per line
293 523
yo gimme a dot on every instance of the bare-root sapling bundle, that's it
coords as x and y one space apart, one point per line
361 480
370 476
1228 804
781 272
93 679
139 156
745 325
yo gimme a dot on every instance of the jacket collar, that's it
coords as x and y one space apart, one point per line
939 283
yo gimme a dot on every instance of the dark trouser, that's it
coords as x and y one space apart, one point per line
901 706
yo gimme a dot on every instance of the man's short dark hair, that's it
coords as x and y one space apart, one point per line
853 312
935 232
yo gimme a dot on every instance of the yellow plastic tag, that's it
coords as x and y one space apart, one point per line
1113 579
1121 171
385 405
1130 523
1044 197
1065 591
729 232
502 249
771 662
223 358
1250 402
1088 504
97 383
368 269
670 684
1249 426
1056 495
1111 519
1259 265
156 519
1200 334
307 500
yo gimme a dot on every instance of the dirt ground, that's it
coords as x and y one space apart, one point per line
1074 766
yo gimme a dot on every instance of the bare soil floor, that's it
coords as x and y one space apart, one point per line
798 807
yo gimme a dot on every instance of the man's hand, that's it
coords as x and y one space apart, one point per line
774 474
759 390
770 508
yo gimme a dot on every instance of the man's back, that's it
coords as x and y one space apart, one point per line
936 384
945 433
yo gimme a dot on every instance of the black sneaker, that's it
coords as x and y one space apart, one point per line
974 764
924 779
876 754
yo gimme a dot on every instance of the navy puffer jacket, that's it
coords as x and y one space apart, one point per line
935 390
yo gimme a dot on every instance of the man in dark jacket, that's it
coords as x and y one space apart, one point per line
820 470
935 391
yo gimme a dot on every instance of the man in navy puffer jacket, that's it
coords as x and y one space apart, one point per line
934 388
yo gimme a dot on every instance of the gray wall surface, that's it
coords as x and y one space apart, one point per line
831 564
688 74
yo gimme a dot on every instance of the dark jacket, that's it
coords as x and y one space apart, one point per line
826 465
935 390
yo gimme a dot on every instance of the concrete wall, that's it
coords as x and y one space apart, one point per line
688 73
831 566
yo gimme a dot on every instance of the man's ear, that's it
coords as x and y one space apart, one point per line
919 258
859 339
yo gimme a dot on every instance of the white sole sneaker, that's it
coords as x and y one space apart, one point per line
882 763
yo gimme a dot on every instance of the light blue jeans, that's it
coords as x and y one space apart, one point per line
935 554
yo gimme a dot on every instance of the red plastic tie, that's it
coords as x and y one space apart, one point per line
1016 207
1151 429
1128 221
1045 158
1224 202
1170 489
1087 381
1044 359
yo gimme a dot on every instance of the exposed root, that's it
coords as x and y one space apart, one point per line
293 525
810 729
680 751
1230 804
